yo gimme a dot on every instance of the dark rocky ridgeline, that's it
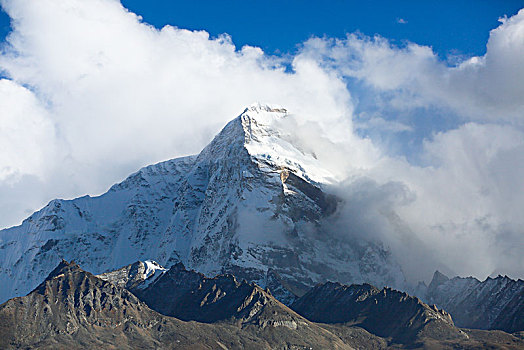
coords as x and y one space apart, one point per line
191 296
361 316
384 312
74 309
367 317
496 303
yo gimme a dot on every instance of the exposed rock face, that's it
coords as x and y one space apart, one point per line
496 303
74 309
438 279
251 201
384 312
282 290
190 296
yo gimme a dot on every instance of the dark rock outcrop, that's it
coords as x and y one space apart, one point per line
74 309
496 303
384 312
191 296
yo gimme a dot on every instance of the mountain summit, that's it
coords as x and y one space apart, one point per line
251 203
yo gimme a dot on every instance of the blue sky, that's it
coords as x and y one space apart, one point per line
449 27
90 92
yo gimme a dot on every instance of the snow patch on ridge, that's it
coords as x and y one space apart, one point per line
152 267
152 273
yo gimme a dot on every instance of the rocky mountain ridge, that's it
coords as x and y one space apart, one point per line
495 303
75 309
385 312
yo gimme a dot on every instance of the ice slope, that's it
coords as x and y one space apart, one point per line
251 201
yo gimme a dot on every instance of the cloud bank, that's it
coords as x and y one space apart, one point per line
90 93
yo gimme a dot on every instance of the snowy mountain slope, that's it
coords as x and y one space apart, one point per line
250 201
100 232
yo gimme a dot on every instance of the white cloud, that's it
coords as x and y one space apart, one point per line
122 94
379 123
466 183
94 94
487 88
468 206
27 136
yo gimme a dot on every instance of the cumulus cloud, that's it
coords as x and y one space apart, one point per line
468 202
464 216
465 204
460 214
92 93
24 127
487 88
109 93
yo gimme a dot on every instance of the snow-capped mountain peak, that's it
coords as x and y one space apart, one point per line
251 201
270 139
257 121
